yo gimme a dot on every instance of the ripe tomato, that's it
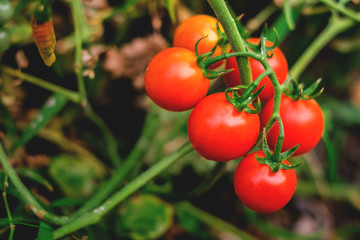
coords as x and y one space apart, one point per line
219 132
277 62
259 188
174 81
194 28
303 124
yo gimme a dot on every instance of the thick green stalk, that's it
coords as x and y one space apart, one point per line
237 44
335 26
77 11
71 95
26 194
114 182
95 216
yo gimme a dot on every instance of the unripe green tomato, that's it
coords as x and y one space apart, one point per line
6 11
5 39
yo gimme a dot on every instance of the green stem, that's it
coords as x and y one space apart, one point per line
26 194
11 222
256 22
151 126
71 95
110 141
95 216
211 220
335 26
237 43
77 11
288 15
342 9
211 178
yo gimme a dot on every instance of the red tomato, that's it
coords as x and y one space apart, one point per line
174 81
259 188
219 132
277 62
303 123
195 28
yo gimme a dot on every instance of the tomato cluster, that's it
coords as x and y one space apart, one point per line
6 13
225 126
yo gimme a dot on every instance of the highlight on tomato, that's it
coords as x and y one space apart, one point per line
303 123
193 29
261 189
219 132
174 81
277 62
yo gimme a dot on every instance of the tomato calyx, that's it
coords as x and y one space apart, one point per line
297 91
241 103
275 159
204 61
262 48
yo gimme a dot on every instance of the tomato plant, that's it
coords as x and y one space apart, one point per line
303 123
277 62
193 29
219 132
6 11
174 81
259 188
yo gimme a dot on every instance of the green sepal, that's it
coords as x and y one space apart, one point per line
310 92
297 91
261 48
269 159
289 152
292 166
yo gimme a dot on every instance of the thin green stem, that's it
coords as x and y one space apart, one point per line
335 26
288 15
151 126
26 194
212 221
77 11
95 216
342 9
211 178
237 43
110 141
71 95
256 22
11 222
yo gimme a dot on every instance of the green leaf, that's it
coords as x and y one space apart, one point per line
45 231
50 108
171 9
144 217
35 176
74 176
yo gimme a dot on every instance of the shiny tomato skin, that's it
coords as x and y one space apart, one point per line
259 188
195 28
277 62
174 81
303 124
219 132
